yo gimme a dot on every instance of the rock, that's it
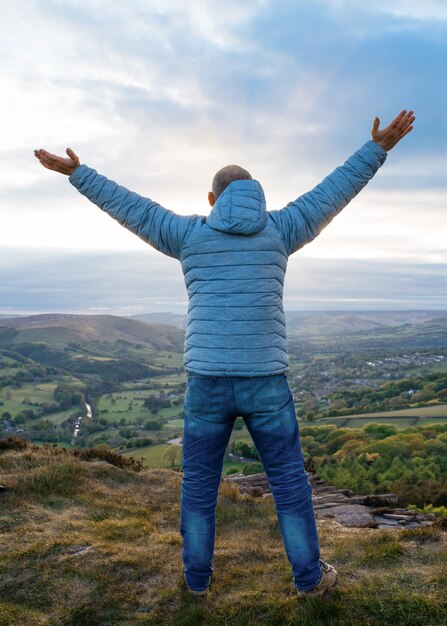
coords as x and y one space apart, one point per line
352 515
398 517
83 550
384 499
343 505
385 522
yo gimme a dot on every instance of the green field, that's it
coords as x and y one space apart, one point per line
129 405
435 410
436 414
152 456
358 422
175 423
60 416
42 392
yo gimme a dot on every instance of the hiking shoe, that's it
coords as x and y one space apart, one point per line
204 592
327 580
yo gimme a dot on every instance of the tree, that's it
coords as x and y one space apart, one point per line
152 425
172 454
252 468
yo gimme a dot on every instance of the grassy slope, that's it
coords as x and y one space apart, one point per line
56 505
60 329
435 414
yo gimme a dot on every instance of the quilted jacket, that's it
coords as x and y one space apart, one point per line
234 260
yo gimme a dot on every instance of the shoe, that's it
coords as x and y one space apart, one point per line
327 580
204 592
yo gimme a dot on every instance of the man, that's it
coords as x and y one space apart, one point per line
234 262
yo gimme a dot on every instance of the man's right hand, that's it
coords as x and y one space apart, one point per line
57 163
393 133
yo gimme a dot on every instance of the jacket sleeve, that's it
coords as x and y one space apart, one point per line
162 229
304 218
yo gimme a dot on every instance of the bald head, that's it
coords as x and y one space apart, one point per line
226 175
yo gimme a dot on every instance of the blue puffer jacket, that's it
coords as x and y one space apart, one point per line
234 260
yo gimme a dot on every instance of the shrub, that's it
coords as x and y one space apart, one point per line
252 468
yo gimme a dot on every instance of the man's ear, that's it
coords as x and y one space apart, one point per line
211 198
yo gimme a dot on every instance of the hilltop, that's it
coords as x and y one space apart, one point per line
326 323
60 329
86 542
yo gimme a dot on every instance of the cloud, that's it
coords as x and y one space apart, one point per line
429 10
158 96
136 282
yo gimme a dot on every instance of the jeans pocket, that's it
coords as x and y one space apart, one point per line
199 393
270 393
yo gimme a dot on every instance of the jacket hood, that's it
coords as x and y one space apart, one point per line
240 209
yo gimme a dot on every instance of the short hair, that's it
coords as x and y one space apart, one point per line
226 175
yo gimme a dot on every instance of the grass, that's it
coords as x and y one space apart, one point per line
116 406
175 423
87 543
358 422
41 392
402 418
152 456
438 410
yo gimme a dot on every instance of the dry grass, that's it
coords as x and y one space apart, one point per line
88 543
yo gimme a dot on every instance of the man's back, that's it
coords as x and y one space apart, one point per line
234 263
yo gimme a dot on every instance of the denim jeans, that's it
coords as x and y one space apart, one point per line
265 403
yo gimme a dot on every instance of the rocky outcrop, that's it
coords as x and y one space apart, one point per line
343 505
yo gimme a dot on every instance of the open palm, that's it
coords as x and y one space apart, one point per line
393 133
57 163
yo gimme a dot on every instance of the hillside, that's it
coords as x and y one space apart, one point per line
166 317
374 318
59 329
326 323
354 333
89 543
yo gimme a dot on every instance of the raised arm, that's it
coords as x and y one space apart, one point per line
304 218
161 228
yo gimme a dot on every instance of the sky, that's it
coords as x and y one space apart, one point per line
159 95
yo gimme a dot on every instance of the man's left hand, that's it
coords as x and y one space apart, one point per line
57 163
393 133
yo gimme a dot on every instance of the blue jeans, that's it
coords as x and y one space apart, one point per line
211 407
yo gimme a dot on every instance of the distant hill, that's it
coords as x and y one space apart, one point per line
165 331
173 319
324 323
345 324
331 323
59 329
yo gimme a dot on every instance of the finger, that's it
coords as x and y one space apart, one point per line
408 118
407 123
376 124
403 133
52 158
72 155
47 155
398 118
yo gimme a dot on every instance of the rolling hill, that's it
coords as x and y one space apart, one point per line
59 329
331 323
